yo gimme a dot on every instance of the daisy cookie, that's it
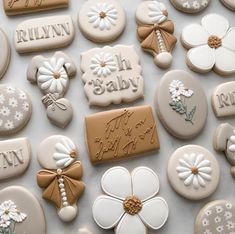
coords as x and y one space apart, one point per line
130 201
102 20
211 45
193 172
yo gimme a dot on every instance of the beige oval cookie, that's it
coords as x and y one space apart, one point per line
229 3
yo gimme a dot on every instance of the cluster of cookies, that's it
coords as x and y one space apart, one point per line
112 75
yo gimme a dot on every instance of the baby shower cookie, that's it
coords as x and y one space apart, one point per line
44 33
190 6
16 7
193 172
60 180
5 53
229 3
211 45
15 156
121 134
216 217
130 201
15 109
155 32
20 212
112 75
181 104
102 20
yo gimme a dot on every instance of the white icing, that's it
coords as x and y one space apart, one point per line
84 231
67 213
156 12
232 146
194 161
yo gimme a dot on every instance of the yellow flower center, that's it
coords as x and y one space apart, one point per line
194 170
214 42
73 154
56 75
132 205
102 14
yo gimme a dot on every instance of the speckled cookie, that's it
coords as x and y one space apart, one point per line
229 3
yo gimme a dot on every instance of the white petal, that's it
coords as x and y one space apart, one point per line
59 64
58 156
154 213
182 169
189 180
204 163
184 175
45 71
130 225
107 211
116 182
201 181
195 182
145 183
232 148
61 148
229 40
44 78
198 160
46 84
207 170
215 25
202 58
194 35
205 176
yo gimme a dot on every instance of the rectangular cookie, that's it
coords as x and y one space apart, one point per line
121 134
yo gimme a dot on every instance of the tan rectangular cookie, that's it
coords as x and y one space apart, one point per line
121 134
16 7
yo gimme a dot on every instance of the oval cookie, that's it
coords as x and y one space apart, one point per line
229 3
193 172
181 104
215 218
102 20
15 109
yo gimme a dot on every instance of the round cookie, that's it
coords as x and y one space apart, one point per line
229 4
102 20
193 172
190 6
216 217
15 109
181 104
5 53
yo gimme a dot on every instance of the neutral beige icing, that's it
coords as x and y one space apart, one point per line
229 3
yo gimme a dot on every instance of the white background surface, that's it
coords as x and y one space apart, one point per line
182 211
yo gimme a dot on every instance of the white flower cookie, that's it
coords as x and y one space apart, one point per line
102 20
229 3
130 203
211 45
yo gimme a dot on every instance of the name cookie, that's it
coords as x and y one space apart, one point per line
20 212
112 75
211 45
155 32
229 3
121 134
130 201
44 33
60 180
102 20
16 7
193 172
181 104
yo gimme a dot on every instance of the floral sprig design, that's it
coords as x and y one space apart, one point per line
179 93
9 216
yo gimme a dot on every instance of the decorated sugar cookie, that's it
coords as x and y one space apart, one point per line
155 32
112 75
130 203
193 172
211 45
229 3
215 218
60 180
102 20
190 6
15 109
20 212
52 75
181 104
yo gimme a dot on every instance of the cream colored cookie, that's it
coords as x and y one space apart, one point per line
229 3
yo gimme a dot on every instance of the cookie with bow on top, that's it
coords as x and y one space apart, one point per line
61 177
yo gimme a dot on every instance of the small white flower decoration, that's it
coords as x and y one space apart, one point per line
26 106
130 205
220 228
18 115
103 64
157 12
10 89
228 215
217 219
205 222
230 225
208 212
196 5
219 209
5 111
2 99
194 170
103 16
207 232
13 102
9 125
204 3
229 206
186 5
22 95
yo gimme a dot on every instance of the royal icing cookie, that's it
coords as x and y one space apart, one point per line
229 3
112 75
44 33
211 45
216 217
222 99
102 20
130 201
121 134
15 156
60 180
84 231
155 32
190 6
15 109
5 53
181 104
20 212
193 172
16 7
